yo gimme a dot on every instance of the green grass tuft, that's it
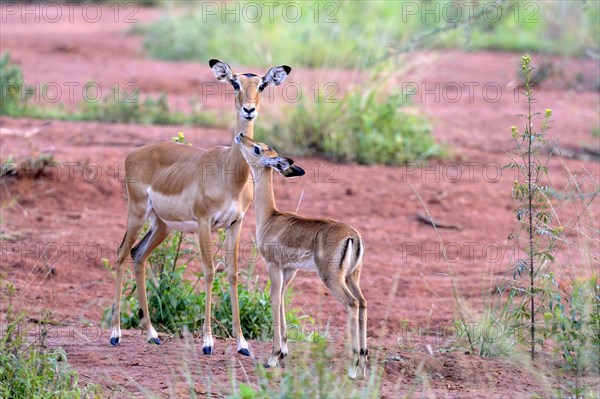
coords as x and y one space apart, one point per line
128 108
364 126
310 375
28 371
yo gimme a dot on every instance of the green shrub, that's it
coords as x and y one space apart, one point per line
318 36
27 371
176 303
304 41
573 322
131 109
11 86
172 301
364 126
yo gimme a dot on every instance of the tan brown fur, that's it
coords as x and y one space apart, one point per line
289 242
175 186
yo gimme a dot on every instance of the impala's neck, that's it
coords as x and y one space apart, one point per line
245 126
264 199
235 157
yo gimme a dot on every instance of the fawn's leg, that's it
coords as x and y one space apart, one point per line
340 290
288 276
276 277
353 283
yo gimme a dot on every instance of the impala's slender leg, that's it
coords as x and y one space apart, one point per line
135 222
340 290
353 283
157 234
205 240
288 276
232 240
276 277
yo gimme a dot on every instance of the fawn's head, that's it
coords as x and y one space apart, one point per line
260 156
248 86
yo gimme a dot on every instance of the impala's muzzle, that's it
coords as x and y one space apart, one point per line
248 113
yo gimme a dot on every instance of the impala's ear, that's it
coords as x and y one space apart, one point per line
292 171
221 70
275 76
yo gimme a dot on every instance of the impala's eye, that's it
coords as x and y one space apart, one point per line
236 85
257 150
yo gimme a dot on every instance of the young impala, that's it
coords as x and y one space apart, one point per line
289 242
177 187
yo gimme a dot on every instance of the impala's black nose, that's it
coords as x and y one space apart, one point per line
251 110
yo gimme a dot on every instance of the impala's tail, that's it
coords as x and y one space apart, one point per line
352 255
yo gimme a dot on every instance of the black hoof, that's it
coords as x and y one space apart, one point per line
266 365
244 352
114 341
282 355
154 341
207 350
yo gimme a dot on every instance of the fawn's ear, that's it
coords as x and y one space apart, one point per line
286 167
275 76
221 70
292 171
278 163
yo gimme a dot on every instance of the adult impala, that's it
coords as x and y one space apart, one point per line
177 187
289 242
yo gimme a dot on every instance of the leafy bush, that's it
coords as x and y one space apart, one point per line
175 304
573 322
27 371
305 39
364 126
11 86
131 109
315 34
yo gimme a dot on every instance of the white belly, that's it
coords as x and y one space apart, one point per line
305 263
174 211
190 226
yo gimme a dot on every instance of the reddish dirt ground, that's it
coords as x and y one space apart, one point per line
77 215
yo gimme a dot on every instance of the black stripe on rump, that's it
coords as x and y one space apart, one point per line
344 252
